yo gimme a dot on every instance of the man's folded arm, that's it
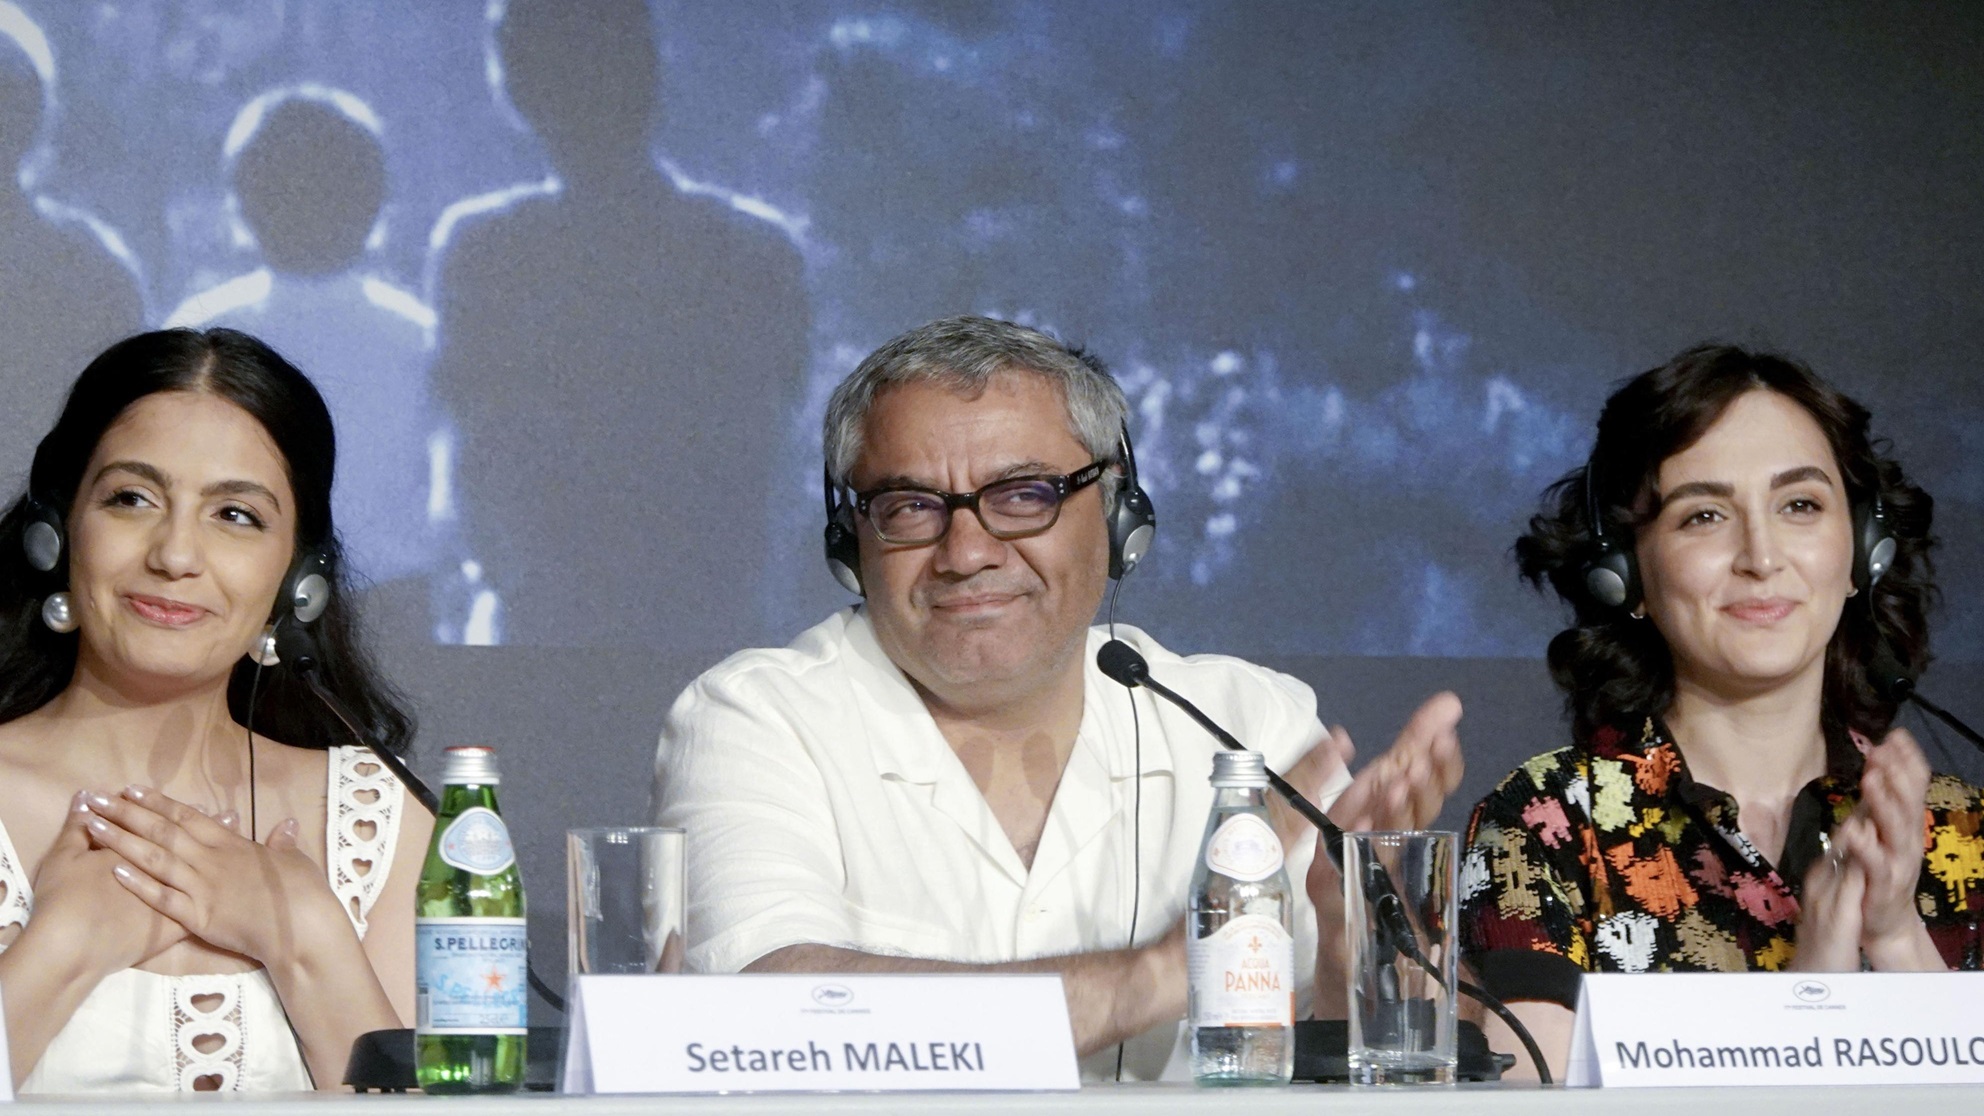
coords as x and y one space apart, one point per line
1112 995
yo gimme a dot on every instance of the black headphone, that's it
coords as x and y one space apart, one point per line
1612 572
306 587
1132 524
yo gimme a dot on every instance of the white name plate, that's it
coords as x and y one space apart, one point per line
1779 1029
794 1033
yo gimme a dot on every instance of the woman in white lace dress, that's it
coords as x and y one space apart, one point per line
186 904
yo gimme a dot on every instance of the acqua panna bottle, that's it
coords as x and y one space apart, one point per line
1239 948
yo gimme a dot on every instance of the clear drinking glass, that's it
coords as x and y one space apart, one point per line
624 900
1399 893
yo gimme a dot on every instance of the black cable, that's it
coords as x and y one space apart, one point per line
1136 812
1486 999
254 688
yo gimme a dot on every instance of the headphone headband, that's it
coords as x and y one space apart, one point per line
1132 524
1612 576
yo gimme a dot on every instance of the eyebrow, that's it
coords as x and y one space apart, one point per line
153 474
1725 490
1019 469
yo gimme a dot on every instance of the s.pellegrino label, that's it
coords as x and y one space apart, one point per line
473 979
470 942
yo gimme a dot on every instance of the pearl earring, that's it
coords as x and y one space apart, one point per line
264 651
57 613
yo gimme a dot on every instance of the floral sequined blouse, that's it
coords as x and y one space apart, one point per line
1608 857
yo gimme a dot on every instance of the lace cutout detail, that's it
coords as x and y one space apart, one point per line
364 825
16 899
207 1049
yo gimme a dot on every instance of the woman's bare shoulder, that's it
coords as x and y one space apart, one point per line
32 756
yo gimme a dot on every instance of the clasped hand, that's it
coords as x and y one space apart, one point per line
203 874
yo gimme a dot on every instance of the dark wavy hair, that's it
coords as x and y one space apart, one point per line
1614 669
37 663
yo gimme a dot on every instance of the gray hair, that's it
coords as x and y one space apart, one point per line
963 354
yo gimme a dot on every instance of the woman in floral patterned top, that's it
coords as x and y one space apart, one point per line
1748 575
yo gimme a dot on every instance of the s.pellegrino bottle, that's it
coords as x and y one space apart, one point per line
1239 949
469 941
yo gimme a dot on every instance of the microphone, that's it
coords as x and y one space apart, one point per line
295 648
1896 683
1124 665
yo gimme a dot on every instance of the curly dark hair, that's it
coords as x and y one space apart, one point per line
37 663
1614 669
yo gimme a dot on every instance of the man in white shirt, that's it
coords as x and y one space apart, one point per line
940 779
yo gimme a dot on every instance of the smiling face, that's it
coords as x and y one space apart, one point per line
970 618
1749 562
182 529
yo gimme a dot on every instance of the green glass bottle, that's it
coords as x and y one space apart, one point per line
469 940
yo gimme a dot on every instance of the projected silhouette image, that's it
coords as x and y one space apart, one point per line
308 180
63 294
619 357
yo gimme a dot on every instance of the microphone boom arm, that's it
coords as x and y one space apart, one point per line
1125 666
1332 835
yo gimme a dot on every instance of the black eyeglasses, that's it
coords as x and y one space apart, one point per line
1009 509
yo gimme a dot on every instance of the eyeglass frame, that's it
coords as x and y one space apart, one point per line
1064 484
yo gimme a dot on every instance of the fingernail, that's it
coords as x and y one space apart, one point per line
135 793
99 801
289 827
120 871
228 818
98 825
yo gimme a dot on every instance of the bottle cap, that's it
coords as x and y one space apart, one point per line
470 763
1239 769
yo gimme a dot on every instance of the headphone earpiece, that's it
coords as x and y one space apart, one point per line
305 594
42 537
1611 571
1873 543
306 589
843 544
1133 522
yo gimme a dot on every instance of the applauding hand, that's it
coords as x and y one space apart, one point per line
1403 789
1883 839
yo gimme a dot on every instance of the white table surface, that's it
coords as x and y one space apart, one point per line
1116 1100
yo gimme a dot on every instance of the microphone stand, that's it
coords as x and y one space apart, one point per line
393 762
1896 683
295 648
1124 665
1947 718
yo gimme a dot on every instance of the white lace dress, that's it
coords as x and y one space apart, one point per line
142 1032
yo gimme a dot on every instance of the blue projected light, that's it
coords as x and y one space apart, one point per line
576 289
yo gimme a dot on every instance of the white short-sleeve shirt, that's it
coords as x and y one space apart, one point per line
824 806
